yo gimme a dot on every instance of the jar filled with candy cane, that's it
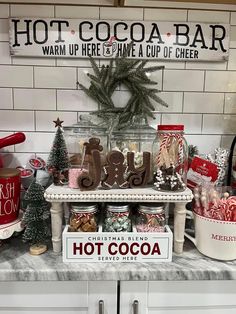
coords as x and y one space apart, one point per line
151 218
170 158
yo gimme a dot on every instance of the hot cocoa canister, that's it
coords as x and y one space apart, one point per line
9 195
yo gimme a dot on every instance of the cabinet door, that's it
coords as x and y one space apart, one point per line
65 297
178 297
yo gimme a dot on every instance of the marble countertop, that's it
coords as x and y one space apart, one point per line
16 264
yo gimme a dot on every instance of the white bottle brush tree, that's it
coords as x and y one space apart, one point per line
36 219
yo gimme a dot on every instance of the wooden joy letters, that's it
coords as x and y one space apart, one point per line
91 180
117 172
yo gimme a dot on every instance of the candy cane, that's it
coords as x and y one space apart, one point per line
163 145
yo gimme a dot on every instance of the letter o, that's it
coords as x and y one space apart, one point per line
147 250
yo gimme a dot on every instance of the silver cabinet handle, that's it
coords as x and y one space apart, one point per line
135 307
101 307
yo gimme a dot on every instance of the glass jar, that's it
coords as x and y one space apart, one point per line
170 158
137 137
117 218
77 134
151 218
83 218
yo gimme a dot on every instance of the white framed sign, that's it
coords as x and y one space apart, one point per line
116 247
81 38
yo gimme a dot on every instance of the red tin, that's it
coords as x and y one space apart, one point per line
9 195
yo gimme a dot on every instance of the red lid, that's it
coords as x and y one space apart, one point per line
170 127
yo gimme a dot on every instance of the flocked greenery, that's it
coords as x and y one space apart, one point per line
192 151
36 216
58 157
135 76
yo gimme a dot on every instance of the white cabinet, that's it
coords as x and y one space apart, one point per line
65 297
178 297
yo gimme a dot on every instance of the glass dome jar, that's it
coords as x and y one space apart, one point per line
83 218
151 218
77 134
117 218
137 137
170 158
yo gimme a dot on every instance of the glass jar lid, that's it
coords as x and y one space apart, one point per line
117 207
170 127
84 208
139 129
151 208
85 126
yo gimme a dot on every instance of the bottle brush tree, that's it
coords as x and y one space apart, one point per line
36 217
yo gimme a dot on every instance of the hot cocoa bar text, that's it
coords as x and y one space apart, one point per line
106 39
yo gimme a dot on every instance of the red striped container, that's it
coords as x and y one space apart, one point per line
9 195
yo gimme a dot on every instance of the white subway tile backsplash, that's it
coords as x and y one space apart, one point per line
208 16
206 65
226 141
220 81
79 12
4 53
35 99
219 124
83 77
16 76
11 160
60 77
44 119
168 64
206 143
75 100
173 99
232 36
165 15
8 148
233 18
121 13
74 62
36 142
230 103
4 30
6 98
4 10
192 122
18 10
183 80
15 120
121 98
34 61
155 122
232 59
203 102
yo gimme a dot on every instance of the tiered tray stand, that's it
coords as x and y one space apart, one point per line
58 195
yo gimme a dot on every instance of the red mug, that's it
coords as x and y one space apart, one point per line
9 195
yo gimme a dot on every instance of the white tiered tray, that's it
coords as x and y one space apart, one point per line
58 195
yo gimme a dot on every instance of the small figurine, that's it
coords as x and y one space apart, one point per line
115 171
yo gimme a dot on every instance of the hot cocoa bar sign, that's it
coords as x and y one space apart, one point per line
74 38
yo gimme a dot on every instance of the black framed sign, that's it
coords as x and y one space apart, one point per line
81 38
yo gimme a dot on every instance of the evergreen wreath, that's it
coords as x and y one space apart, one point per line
131 73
